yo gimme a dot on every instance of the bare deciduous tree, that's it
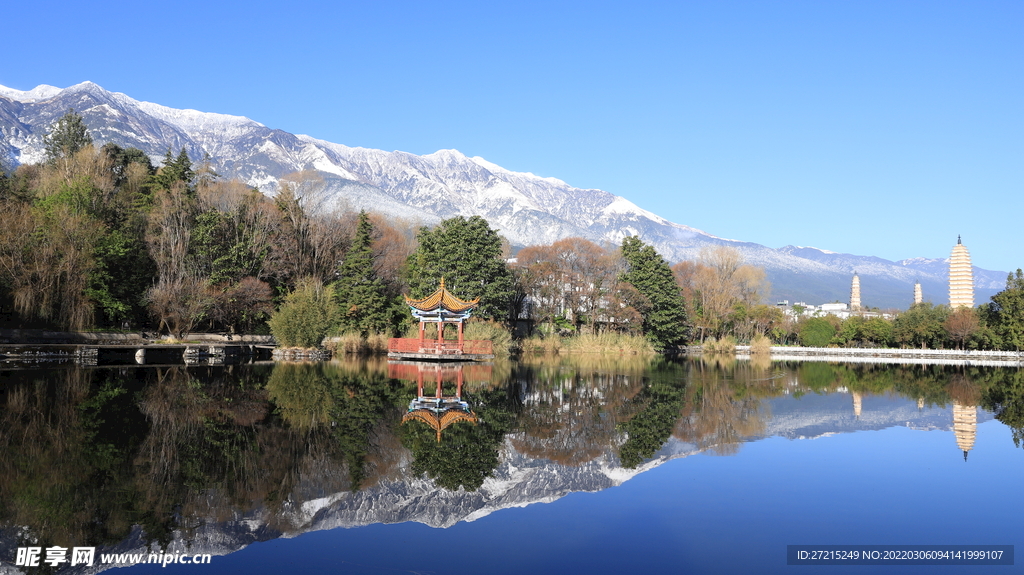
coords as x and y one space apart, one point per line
180 302
962 324
45 259
717 284
577 280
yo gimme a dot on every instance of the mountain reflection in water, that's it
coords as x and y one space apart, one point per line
215 458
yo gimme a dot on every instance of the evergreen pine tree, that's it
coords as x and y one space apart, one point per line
365 307
1007 312
664 320
205 175
176 169
467 254
67 136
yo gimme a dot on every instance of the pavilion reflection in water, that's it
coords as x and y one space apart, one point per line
445 359
439 410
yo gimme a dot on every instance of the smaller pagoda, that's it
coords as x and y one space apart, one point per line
441 308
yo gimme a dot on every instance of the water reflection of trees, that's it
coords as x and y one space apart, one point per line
87 454
65 456
724 404
466 454
1005 397
658 406
579 408
573 406
213 448
352 407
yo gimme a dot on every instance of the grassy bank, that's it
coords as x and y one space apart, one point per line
355 344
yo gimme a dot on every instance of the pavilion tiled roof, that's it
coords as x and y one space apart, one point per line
442 298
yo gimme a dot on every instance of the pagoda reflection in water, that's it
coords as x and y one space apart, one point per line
439 410
964 395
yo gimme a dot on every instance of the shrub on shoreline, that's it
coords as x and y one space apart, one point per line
305 317
725 345
356 344
760 345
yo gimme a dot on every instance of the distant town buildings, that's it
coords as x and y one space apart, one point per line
833 308
961 291
838 309
961 277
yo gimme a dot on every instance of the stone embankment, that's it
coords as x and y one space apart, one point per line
43 337
93 348
301 354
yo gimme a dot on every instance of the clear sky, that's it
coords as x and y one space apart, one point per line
876 128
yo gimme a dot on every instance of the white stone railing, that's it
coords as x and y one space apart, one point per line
887 355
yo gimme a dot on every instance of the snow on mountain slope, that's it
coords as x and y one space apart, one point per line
40 92
194 121
525 208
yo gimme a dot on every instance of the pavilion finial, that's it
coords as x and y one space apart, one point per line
958 242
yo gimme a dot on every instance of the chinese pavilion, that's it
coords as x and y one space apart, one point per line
442 308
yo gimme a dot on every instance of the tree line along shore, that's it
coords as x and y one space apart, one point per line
99 238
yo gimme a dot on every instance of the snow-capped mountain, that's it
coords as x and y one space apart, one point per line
525 208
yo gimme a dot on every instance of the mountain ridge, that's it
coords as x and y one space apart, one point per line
525 208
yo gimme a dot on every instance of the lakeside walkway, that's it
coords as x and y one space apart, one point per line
891 355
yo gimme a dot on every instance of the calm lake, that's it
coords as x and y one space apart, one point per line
545 465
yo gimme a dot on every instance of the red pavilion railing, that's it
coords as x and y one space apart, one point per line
434 347
475 372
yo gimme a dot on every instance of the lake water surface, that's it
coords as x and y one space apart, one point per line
551 465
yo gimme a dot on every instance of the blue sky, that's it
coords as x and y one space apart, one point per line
874 128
